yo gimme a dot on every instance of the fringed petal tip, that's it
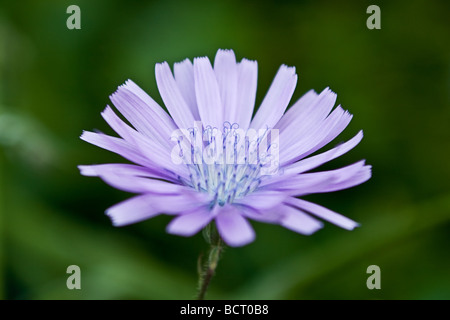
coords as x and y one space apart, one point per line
288 69
85 133
187 60
86 170
235 230
224 52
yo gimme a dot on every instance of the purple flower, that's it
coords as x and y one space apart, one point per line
210 160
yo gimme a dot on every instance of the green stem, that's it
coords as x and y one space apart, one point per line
215 250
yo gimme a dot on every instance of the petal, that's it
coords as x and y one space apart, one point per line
131 211
116 145
323 213
190 223
317 160
276 99
246 92
159 154
226 70
333 133
333 125
172 97
262 199
304 122
186 201
299 184
141 185
313 140
298 110
234 229
298 221
317 182
184 77
120 127
266 216
119 168
143 112
149 205
364 174
208 94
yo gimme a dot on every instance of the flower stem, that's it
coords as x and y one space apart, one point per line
215 250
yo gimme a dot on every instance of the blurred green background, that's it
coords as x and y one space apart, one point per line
54 83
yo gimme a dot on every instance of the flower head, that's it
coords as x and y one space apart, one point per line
209 160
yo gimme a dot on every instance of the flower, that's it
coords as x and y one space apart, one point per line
208 160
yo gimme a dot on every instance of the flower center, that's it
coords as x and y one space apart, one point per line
228 163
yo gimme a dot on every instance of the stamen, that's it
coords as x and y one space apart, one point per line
225 178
